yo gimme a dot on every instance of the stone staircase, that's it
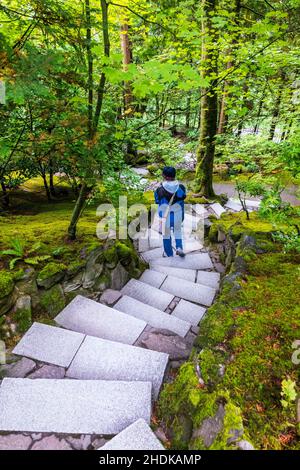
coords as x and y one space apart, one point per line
98 372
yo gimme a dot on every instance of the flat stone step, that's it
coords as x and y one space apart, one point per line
189 312
252 204
72 406
95 319
191 245
147 294
189 290
99 359
201 210
187 274
217 209
49 344
190 261
154 278
152 254
233 205
143 243
154 317
208 278
138 436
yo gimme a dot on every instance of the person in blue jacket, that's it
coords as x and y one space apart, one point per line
170 196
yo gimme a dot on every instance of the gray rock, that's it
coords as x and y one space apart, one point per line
18 369
94 268
147 294
51 280
49 344
99 442
165 341
99 359
210 427
48 372
137 436
22 312
233 205
245 445
51 443
160 434
14 442
154 317
119 277
80 443
72 406
95 319
110 297
6 304
74 283
217 209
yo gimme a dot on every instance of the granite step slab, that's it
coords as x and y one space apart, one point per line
187 274
153 278
190 261
208 278
147 294
99 359
152 254
189 312
143 243
92 318
154 317
252 204
217 209
187 290
49 344
190 245
72 406
233 205
137 436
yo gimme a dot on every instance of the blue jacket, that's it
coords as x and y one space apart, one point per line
164 193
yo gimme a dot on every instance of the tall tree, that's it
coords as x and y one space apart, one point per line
209 104
93 116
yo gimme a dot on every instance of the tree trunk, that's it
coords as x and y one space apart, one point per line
127 60
46 186
275 114
92 122
260 107
223 116
188 111
77 211
5 196
51 178
209 107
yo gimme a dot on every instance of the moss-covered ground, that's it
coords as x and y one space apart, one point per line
250 330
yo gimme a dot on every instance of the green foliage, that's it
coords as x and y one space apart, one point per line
6 284
19 253
288 392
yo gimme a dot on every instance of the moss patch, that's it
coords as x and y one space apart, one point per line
52 301
6 284
50 270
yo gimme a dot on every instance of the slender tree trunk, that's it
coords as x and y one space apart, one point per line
260 108
223 115
46 186
92 121
188 111
5 196
275 114
127 60
209 107
51 178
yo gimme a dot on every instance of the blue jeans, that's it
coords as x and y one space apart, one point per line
173 222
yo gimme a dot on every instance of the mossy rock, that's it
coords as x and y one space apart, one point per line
6 284
52 301
22 313
111 256
51 274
